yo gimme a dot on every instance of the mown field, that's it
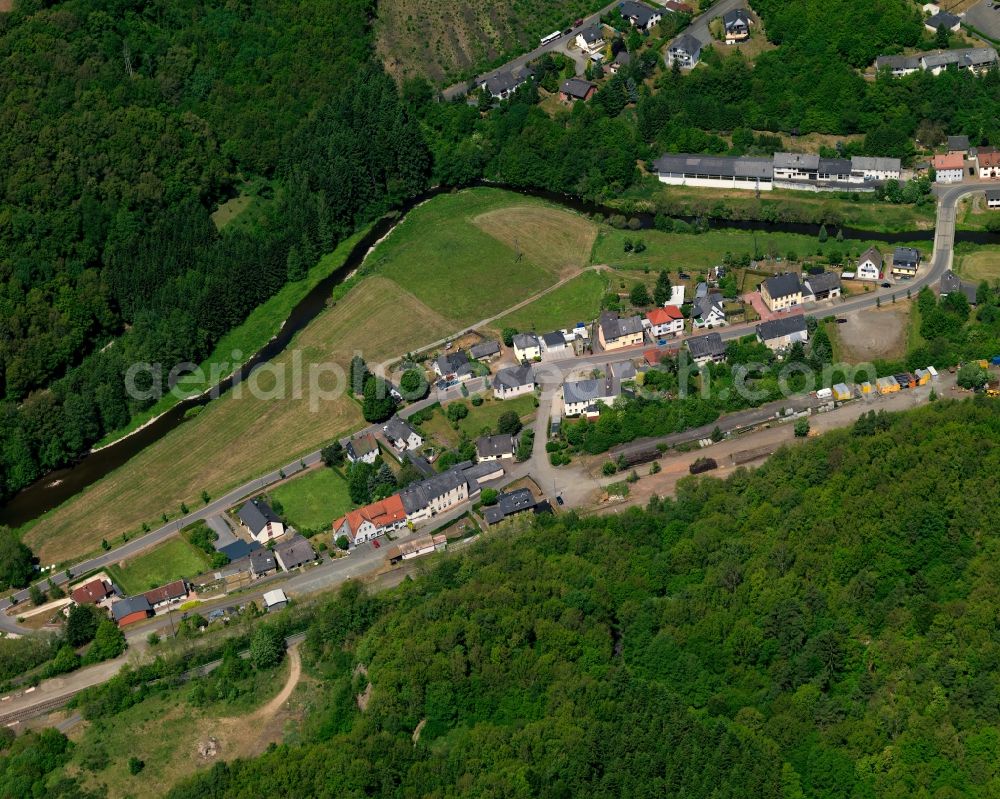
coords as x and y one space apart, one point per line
169 561
437 254
981 264
314 500
578 300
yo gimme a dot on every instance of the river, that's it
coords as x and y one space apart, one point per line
60 485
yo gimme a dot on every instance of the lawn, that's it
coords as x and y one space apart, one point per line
983 263
171 560
578 300
260 326
973 214
478 422
471 254
314 500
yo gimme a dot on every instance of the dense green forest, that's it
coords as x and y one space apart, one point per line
823 626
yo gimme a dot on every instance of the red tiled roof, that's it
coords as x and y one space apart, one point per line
174 590
949 161
989 159
382 514
661 316
91 592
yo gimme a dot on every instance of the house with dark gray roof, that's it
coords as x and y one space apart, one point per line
577 89
261 521
621 59
685 51
897 65
708 311
502 84
494 448
401 435
736 24
781 292
641 16
555 346
870 265
294 552
509 504
958 144
485 350
591 39
262 562
453 366
993 199
362 448
952 283
527 346
709 347
834 170
715 171
824 286
131 609
796 166
513 382
433 495
583 396
905 262
943 20
783 331
615 332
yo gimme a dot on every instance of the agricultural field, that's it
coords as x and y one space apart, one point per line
171 560
578 300
314 500
983 263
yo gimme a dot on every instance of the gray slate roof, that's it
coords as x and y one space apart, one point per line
614 327
782 326
702 306
725 166
873 164
737 18
686 43
873 254
495 446
510 504
709 345
417 496
591 390
294 552
555 339
524 341
895 62
824 281
506 81
906 255
454 363
622 58
835 166
575 87
256 514
950 283
262 560
784 285
958 142
397 430
362 445
592 34
641 13
129 605
944 18
796 161
514 377
993 194
485 349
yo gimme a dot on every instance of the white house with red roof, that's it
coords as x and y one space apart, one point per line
371 521
666 321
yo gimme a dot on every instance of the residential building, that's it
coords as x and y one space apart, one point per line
513 382
783 332
260 521
709 347
583 396
975 59
494 448
905 261
666 321
641 16
453 366
591 39
167 595
824 286
685 51
621 59
370 521
130 610
952 283
708 311
781 292
870 265
95 592
737 25
866 168
716 171
987 163
958 144
576 89
993 199
427 498
943 20
949 168
262 562
363 448
501 85
527 347
898 65
509 504
274 600
614 333
676 295
485 350
554 346
294 552
796 166
401 435
424 545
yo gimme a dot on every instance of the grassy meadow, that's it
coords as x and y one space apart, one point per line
314 500
164 563
578 300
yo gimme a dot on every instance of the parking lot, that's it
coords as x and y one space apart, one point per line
984 17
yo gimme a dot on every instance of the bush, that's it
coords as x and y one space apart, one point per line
801 428
609 468
342 542
477 401
509 422
457 411
135 765
267 647
489 496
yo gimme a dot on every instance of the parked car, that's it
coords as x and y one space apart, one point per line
578 23
887 285
559 499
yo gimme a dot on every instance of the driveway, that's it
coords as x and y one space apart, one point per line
220 525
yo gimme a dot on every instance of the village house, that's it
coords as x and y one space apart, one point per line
576 89
958 144
401 435
260 521
453 366
130 610
591 39
708 311
898 65
436 494
294 552
363 448
501 85
987 163
485 350
685 51
494 448
943 20
709 347
975 59
952 283
167 595
95 592
554 346
513 382
869 168
262 562
824 286
993 199
370 521
949 168
781 333
870 265
905 262
527 347
621 59
640 15
665 321
781 292
737 25
614 333
583 396
509 504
